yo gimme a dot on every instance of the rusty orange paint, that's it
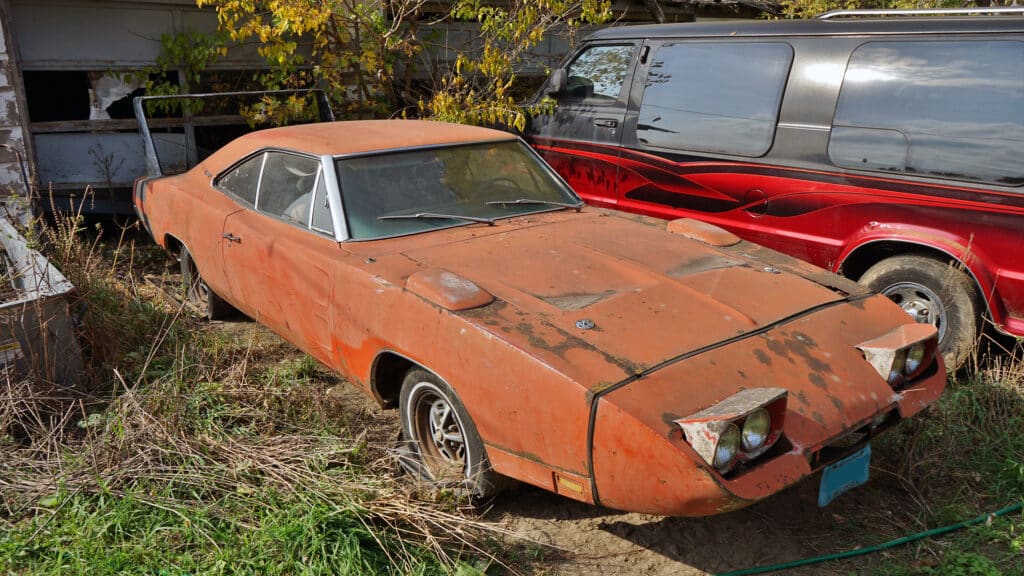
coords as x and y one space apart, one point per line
574 340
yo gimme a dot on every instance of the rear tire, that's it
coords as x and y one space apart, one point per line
198 293
934 292
444 439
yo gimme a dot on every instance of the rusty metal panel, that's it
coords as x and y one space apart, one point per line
37 332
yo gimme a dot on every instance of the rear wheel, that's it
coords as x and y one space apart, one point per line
932 292
198 294
443 437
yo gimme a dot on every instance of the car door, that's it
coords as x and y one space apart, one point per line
580 138
279 256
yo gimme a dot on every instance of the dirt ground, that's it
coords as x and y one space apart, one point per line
605 542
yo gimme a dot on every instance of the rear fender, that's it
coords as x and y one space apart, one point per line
876 235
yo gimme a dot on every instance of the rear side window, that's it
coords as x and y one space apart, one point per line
243 179
598 73
710 97
946 109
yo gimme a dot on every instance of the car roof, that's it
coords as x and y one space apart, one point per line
818 27
359 136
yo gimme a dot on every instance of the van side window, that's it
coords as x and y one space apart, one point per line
710 97
598 73
947 109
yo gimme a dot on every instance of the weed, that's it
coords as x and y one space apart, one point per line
187 451
959 459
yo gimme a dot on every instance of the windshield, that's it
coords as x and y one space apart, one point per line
397 193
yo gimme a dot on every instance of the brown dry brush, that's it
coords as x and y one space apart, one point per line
138 422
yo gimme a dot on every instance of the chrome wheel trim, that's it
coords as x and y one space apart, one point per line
438 431
920 303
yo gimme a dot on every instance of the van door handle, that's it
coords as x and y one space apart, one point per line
231 237
606 122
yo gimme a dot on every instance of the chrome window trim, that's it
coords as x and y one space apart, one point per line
312 197
333 199
259 182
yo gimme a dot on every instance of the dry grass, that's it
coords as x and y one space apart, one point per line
189 423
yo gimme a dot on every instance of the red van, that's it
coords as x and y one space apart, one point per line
888 149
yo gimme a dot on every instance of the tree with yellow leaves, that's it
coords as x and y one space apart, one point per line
349 48
478 89
362 52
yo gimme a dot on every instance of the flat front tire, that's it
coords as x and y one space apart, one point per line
933 292
443 437
197 293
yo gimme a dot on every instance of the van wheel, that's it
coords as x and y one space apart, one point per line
198 294
444 439
932 292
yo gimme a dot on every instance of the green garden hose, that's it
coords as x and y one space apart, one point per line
876 548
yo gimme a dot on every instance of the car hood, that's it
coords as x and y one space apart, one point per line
635 293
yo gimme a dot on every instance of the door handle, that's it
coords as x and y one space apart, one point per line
606 122
231 237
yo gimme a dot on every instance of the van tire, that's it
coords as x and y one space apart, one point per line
936 292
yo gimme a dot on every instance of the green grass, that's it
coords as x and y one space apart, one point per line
144 533
962 458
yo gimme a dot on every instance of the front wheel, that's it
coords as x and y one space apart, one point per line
443 437
932 292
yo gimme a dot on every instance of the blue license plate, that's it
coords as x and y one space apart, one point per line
838 477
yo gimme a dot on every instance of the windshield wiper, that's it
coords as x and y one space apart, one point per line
434 216
575 206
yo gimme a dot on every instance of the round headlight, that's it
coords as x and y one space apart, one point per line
728 446
915 357
756 429
898 364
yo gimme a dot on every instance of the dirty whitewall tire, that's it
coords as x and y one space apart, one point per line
438 427
198 293
933 291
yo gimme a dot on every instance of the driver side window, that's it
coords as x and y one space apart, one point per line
286 188
598 74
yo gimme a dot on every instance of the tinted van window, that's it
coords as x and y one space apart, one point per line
947 109
711 97
599 73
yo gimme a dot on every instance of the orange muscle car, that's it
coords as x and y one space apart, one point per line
447 271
